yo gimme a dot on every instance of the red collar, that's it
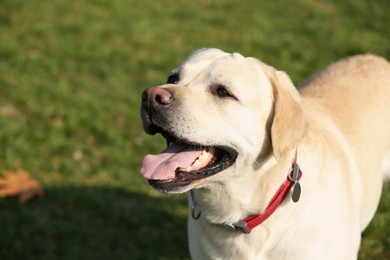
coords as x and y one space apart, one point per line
247 224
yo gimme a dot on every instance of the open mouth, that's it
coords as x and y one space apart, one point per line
183 163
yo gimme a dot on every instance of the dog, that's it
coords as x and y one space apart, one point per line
273 172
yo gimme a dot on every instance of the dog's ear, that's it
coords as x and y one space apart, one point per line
288 124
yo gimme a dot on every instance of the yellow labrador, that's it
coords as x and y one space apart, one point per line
273 173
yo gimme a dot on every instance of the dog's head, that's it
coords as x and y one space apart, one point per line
218 112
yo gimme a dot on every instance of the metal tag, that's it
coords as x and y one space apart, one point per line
194 215
296 192
296 171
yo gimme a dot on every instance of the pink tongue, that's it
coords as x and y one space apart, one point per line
163 166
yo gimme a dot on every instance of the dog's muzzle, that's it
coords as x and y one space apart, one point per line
184 161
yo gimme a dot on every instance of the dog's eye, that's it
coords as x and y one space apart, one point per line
222 92
173 79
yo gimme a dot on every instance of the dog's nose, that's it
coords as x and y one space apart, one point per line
157 97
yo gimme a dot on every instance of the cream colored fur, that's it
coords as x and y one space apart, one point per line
340 123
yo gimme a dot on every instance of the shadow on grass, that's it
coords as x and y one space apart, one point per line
108 223
93 223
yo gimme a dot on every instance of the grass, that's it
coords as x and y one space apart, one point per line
72 73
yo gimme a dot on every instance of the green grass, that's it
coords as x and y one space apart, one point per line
73 71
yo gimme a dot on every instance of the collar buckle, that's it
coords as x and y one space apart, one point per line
242 227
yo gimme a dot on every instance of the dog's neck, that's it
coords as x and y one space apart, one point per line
247 194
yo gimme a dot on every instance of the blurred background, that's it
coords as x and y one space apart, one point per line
71 77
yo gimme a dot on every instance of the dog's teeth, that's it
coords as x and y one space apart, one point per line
197 163
202 161
205 156
193 165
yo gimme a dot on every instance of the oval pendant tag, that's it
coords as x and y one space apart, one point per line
296 192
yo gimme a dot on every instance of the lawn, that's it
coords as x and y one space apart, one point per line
71 77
